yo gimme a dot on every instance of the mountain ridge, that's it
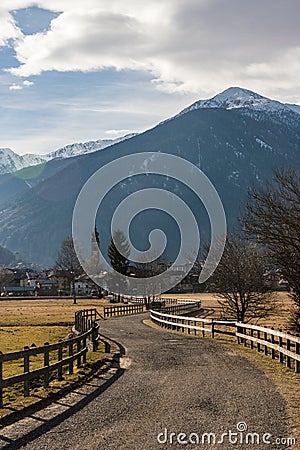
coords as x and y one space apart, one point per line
12 162
237 98
235 150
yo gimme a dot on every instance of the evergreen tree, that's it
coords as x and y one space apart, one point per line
119 260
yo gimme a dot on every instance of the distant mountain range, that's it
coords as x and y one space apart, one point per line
11 161
237 139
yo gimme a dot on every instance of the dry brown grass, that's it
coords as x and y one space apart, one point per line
13 399
44 311
37 321
279 320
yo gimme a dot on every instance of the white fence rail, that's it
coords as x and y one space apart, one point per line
191 325
282 346
276 344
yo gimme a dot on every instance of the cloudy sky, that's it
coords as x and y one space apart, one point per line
74 70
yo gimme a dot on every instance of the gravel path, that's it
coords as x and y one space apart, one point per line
173 383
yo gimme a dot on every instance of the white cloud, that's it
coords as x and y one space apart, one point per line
199 46
8 28
19 87
117 133
15 87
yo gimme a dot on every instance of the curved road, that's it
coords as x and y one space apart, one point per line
173 383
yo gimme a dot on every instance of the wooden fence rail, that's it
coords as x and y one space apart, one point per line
134 300
66 353
191 325
169 301
185 308
111 311
85 318
276 344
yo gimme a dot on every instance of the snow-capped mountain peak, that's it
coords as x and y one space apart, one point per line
87 147
237 98
11 161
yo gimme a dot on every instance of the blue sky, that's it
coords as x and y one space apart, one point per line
73 71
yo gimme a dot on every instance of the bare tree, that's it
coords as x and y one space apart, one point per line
273 219
240 283
6 276
67 260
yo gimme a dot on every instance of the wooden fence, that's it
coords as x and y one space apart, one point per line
111 311
192 325
122 310
54 356
169 301
143 300
66 353
134 300
85 319
175 301
276 344
184 308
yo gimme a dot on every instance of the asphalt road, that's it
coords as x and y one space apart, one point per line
173 383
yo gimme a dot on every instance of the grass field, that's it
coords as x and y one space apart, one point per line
278 320
35 322
44 312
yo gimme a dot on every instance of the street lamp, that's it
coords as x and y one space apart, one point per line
73 286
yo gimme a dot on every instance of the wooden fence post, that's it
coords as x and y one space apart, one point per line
266 346
245 338
71 363
258 344
280 343
60 357
46 365
212 328
297 363
288 359
78 350
251 342
273 342
95 336
84 346
26 370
